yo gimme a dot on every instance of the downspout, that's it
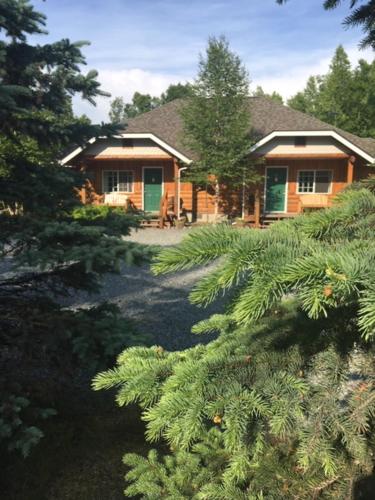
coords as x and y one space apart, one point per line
179 191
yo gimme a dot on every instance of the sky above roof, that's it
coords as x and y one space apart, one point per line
144 45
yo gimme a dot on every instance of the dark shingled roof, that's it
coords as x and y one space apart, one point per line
266 116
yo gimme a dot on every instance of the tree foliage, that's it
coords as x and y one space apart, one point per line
50 245
282 403
216 119
275 96
344 97
120 111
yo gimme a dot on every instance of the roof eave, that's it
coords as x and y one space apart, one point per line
314 133
174 152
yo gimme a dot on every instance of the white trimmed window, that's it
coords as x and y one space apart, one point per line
118 181
314 181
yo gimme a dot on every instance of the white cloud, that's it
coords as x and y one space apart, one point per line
123 83
286 75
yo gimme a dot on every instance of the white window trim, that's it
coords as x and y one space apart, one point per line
315 170
118 170
286 190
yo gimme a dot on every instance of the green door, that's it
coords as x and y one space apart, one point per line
276 189
152 189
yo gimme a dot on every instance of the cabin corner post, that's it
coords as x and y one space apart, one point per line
350 169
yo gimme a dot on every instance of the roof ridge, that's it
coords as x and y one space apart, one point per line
267 116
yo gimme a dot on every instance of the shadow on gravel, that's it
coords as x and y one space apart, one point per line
159 304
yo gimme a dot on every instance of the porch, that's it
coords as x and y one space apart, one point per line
292 186
151 186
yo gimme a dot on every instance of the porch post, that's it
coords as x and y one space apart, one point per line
350 169
176 174
83 190
257 208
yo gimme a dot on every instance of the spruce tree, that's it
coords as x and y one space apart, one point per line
343 97
216 120
50 245
330 97
307 100
282 403
335 104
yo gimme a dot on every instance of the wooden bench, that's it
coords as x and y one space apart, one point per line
313 201
115 199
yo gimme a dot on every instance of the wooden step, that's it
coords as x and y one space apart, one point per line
150 223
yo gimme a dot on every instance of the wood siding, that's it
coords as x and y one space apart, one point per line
338 163
337 166
201 201
95 170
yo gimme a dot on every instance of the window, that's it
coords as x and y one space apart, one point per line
314 181
299 141
118 181
127 143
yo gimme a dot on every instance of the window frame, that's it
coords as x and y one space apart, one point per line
118 180
314 180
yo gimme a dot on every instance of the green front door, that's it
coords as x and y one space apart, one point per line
152 189
276 189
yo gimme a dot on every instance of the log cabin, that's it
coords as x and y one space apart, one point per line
305 163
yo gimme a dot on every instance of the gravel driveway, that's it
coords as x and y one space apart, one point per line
159 304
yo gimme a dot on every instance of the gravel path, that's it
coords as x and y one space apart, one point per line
159 304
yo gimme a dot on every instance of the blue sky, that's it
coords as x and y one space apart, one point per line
147 44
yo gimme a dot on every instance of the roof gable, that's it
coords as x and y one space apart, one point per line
268 118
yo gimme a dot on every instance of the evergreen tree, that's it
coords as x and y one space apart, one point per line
335 104
343 97
307 101
50 244
282 404
216 119
363 112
